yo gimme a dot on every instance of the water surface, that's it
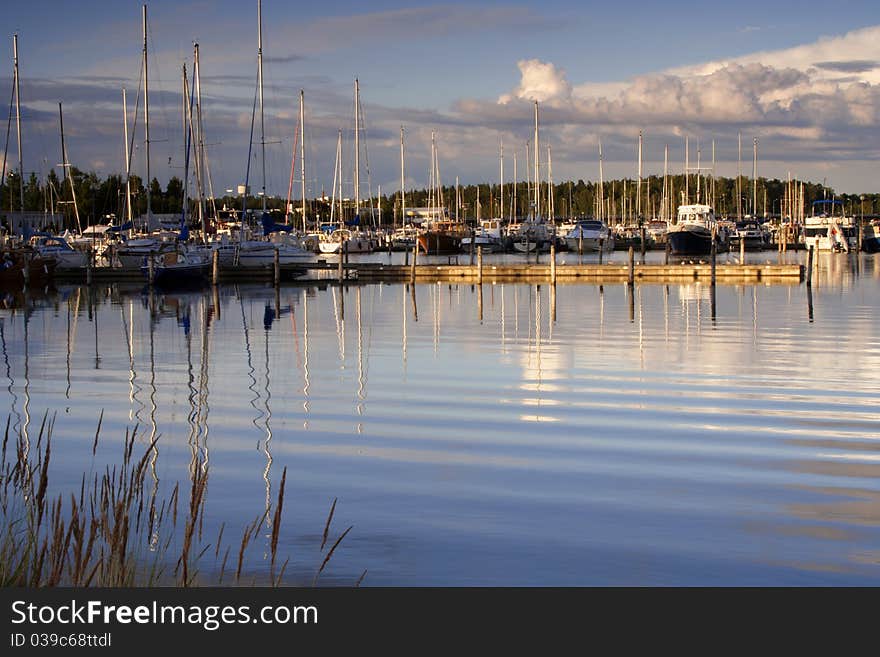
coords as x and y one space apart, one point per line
505 435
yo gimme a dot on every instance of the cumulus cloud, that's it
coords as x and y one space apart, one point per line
541 81
816 101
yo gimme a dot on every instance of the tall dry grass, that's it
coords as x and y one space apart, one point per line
107 533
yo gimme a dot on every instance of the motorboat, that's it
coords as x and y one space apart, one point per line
590 235
65 256
692 232
825 231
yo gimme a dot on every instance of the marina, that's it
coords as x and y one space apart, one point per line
571 344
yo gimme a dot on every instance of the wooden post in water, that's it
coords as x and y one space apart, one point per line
601 248
345 250
810 267
742 251
666 260
90 265
713 252
215 267
631 279
340 272
473 239
581 242
480 266
553 264
412 271
644 239
480 301
26 269
810 302
553 303
277 265
151 268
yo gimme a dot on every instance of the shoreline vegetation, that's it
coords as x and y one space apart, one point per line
101 198
109 532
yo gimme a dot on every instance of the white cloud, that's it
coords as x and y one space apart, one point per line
815 102
541 81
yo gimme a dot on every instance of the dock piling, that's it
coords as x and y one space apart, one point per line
810 267
644 238
552 264
90 266
713 257
151 268
412 271
601 248
340 272
742 251
479 265
277 264
631 279
215 267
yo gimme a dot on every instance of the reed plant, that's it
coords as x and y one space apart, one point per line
110 532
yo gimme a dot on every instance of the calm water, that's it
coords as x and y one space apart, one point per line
506 436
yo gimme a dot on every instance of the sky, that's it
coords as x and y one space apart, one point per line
803 78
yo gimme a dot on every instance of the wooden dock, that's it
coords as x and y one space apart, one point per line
580 273
500 272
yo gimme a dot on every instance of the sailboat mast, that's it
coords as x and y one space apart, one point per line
550 208
755 177
127 158
601 198
65 165
537 168
739 209
357 149
665 210
18 119
146 115
687 173
501 214
302 151
402 183
713 176
639 185
260 83
515 189
335 181
200 144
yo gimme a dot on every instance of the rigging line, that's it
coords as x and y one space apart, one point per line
366 157
134 123
247 175
8 128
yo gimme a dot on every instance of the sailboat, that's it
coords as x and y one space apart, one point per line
534 233
343 239
441 236
255 253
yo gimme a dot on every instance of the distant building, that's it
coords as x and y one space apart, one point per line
419 215
21 223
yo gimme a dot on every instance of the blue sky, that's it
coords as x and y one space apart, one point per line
802 77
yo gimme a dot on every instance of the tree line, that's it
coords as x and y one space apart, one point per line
100 200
